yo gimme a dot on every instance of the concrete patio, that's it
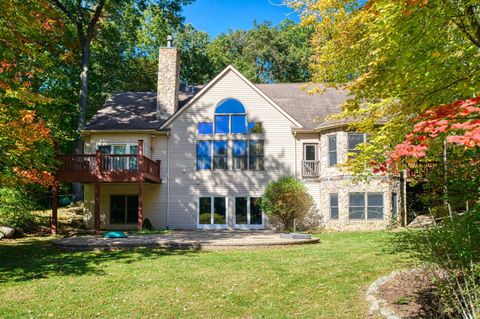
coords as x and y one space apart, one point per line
183 240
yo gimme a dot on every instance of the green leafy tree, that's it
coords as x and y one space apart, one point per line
195 67
266 53
397 58
287 200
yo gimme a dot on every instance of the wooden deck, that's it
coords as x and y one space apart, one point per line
107 168
101 168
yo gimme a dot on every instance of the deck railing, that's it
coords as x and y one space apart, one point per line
310 169
107 167
421 170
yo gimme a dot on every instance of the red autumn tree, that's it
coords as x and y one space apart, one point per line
27 148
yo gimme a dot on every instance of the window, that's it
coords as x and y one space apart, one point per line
222 124
248 211
333 206
205 128
310 152
372 210
239 124
230 118
255 211
354 140
220 155
332 150
375 206
357 206
241 210
212 211
256 155
120 162
394 206
240 155
204 155
123 209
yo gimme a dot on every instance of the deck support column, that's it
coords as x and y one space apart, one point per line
141 168
140 206
54 220
97 207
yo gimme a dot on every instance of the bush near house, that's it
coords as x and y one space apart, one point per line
287 200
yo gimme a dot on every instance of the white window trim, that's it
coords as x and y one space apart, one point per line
212 226
246 226
336 149
330 206
230 157
112 144
315 145
365 139
365 207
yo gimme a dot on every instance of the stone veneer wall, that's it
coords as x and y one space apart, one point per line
333 180
168 83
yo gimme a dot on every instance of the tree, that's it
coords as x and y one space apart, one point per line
447 137
397 58
195 67
287 201
266 53
83 18
27 31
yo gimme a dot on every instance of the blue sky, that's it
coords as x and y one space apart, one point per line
217 16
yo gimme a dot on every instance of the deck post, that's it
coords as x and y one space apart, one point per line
140 206
97 207
141 168
53 224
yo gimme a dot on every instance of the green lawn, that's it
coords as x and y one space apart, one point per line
327 280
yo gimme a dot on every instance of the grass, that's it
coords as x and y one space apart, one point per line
327 280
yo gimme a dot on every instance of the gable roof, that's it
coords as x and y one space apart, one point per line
215 80
137 110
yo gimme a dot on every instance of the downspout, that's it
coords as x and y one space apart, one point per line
168 180
295 160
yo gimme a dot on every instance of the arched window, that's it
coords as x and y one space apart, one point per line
230 118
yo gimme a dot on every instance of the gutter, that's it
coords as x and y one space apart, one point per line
156 132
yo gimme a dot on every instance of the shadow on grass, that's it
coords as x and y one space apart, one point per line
29 259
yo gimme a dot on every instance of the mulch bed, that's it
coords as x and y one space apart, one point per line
412 295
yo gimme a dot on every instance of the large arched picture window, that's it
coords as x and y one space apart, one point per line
230 118
236 149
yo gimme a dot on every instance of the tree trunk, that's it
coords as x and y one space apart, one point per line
82 114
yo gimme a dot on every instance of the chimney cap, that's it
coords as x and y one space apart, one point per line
169 41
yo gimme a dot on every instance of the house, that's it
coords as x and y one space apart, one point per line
201 158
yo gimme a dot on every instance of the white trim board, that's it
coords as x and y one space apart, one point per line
214 81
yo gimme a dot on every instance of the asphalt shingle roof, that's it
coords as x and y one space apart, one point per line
133 111
310 110
137 110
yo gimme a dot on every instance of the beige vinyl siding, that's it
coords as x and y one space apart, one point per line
187 184
155 195
174 202
301 140
151 204
112 138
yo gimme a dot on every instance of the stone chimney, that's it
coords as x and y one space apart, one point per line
168 80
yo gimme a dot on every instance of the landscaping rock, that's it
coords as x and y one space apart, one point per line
421 221
6 232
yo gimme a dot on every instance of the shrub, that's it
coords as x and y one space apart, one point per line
287 200
451 251
147 224
16 210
